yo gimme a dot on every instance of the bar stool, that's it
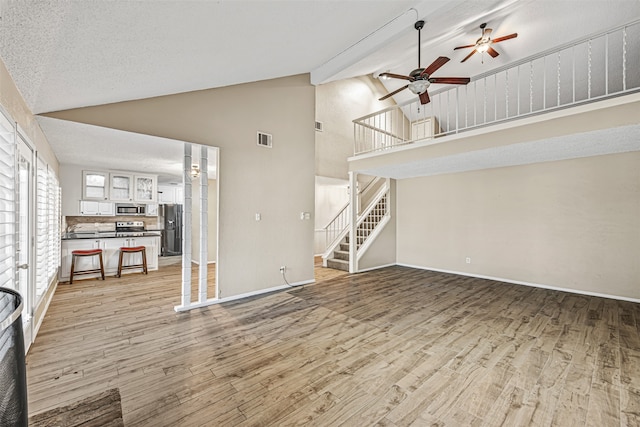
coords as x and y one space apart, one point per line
133 250
83 253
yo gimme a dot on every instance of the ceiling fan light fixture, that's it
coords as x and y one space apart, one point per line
419 86
483 46
195 171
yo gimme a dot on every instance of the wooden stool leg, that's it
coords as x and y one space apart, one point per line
120 264
73 264
144 261
101 266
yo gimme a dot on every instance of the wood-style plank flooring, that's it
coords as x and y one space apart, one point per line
393 347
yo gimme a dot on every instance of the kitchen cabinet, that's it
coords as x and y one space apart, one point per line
145 188
170 194
95 185
121 187
110 255
111 248
82 263
90 208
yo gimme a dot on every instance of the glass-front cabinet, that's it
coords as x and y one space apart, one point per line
95 185
121 189
145 189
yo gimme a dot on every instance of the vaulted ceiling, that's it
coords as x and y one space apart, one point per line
72 53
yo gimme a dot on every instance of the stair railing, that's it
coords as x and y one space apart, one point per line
338 227
593 68
366 230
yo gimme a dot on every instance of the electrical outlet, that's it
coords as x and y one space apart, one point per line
282 269
468 260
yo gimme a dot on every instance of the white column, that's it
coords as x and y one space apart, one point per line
353 202
186 227
204 226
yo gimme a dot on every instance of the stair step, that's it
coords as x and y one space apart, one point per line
338 264
341 255
344 247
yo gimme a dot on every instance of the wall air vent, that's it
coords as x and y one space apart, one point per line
265 140
319 126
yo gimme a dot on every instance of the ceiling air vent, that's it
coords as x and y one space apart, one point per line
319 126
265 140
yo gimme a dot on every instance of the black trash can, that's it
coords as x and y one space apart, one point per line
13 371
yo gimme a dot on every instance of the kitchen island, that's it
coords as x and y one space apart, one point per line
110 242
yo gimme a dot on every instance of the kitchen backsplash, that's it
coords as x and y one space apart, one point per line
104 223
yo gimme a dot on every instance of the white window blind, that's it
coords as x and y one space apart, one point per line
7 204
42 228
53 211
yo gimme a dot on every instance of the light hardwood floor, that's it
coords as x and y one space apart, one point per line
392 347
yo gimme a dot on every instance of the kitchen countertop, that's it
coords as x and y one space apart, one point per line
108 235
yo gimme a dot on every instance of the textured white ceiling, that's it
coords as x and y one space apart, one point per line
103 148
72 53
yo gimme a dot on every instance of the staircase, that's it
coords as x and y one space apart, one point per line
340 259
366 225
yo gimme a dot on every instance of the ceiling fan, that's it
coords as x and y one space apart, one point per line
483 44
420 79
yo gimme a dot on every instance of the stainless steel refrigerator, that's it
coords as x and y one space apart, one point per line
171 217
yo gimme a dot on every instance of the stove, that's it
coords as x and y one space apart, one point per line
129 228
130 234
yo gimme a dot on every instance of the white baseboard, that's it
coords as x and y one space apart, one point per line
213 301
518 282
36 327
376 268
198 262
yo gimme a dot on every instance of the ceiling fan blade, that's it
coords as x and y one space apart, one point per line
435 65
491 51
396 76
424 98
450 80
390 94
503 38
469 56
463 47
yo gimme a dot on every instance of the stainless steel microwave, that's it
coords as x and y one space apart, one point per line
130 209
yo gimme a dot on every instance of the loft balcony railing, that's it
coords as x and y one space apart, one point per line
591 69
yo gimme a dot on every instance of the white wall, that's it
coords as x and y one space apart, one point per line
331 196
337 104
571 224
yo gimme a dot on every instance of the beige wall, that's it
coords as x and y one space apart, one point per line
337 104
278 182
571 224
12 101
212 223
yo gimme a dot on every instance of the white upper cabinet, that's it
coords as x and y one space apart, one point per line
145 188
170 194
91 208
121 188
95 185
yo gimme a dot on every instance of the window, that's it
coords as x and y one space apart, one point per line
7 204
47 226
